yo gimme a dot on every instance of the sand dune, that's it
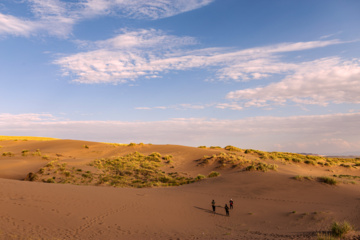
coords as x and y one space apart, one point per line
267 205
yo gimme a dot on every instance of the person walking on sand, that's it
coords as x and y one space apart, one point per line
231 204
227 210
213 205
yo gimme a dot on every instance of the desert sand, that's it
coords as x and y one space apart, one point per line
267 205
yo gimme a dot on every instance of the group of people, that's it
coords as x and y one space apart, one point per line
231 203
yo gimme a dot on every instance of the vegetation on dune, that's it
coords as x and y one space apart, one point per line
8 154
19 138
116 144
340 229
223 160
138 170
327 180
299 158
131 170
326 236
215 147
263 167
213 174
232 148
301 178
337 231
351 177
231 160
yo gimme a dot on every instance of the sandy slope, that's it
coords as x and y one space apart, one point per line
268 205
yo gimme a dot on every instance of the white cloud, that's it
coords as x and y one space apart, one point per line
333 146
57 17
150 53
323 81
54 16
6 118
333 133
232 106
184 106
150 9
140 39
16 26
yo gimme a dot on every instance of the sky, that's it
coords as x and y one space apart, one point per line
272 75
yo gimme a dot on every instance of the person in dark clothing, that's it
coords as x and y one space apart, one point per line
231 204
227 210
213 205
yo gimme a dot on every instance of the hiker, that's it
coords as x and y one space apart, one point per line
227 210
213 205
231 204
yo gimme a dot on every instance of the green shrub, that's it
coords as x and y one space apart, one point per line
31 177
232 148
215 147
25 152
345 165
36 153
310 162
199 177
50 164
213 174
167 157
132 144
299 177
201 146
340 229
261 167
8 154
50 180
328 180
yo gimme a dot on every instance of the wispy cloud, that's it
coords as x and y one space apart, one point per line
16 26
57 17
150 9
54 16
323 81
150 53
184 106
264 133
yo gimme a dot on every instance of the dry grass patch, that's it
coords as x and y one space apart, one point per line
232 148
19 138
223 160
131 170
302 178
339 229
232 160
327 180
8 154
263 167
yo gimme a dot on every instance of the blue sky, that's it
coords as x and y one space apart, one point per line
273 75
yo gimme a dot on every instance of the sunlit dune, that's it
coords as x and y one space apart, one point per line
69 189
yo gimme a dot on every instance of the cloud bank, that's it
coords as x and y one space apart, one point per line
333 133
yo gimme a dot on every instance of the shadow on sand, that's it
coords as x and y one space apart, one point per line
209 211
